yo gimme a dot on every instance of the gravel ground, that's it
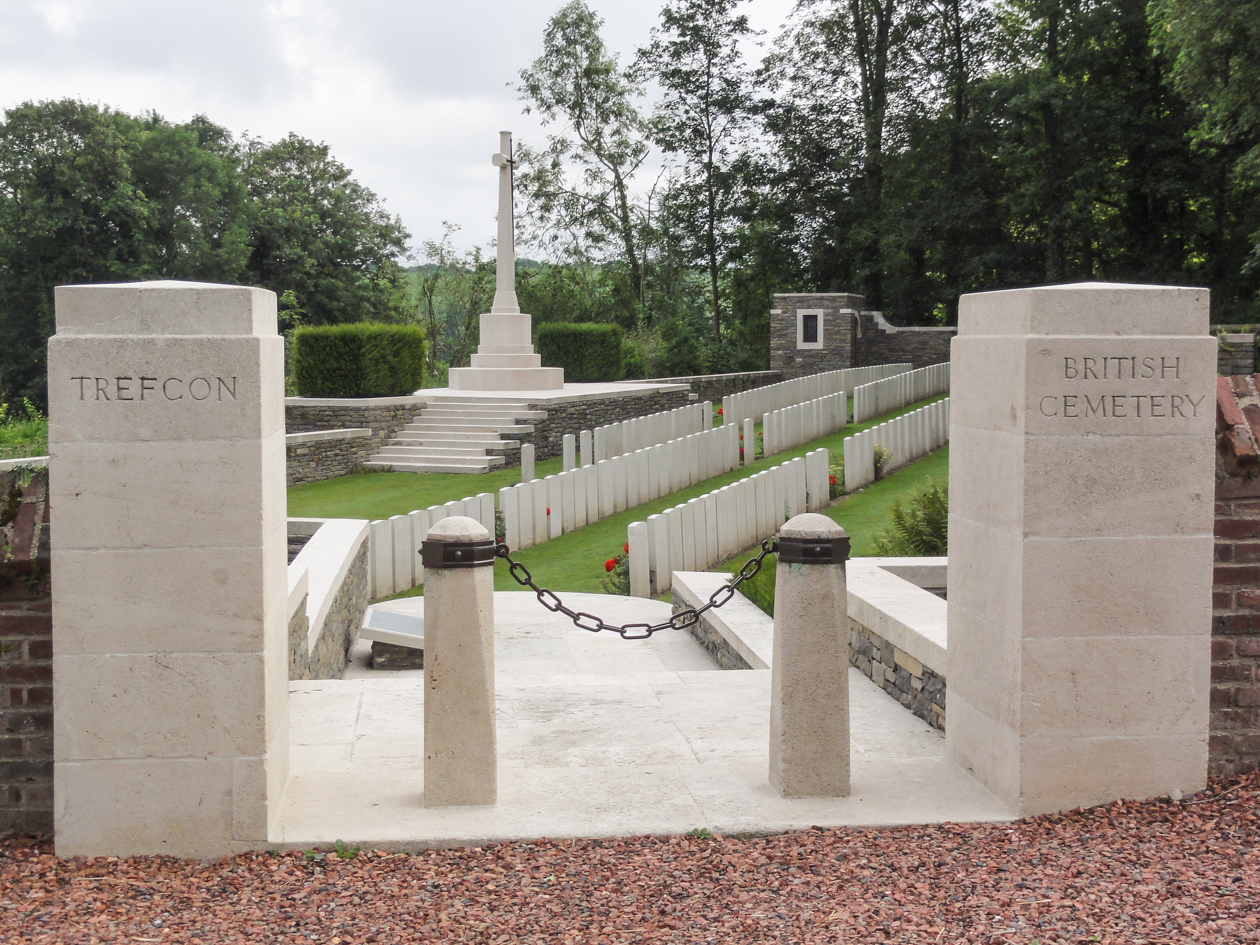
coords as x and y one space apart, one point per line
1160 873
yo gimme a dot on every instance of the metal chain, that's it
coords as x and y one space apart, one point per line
633 631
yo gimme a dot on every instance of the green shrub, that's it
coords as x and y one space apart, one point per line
586 351
922 529
358 360
23 431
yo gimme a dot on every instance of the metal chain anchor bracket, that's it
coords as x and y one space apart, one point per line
633 631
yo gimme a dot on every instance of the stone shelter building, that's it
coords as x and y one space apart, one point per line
829 331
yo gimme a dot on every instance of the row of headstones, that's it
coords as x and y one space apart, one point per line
394 562
699 533
906 438
762 400
542 509
892 393
626 436
791 426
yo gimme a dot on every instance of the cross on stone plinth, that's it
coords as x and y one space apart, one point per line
505 269
505 358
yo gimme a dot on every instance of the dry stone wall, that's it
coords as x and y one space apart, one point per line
574 416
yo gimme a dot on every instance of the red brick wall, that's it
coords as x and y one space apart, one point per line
1235 721
26 800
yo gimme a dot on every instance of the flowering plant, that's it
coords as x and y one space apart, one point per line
618 569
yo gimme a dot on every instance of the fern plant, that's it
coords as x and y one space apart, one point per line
921 527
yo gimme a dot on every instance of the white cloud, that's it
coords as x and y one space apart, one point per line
411 96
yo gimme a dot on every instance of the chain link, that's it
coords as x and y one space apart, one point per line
633 631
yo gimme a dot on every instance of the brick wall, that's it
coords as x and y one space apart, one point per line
25 657
1235 726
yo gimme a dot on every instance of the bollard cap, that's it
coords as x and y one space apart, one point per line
812 539
457 542
811 525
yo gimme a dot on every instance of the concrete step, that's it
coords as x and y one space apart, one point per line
464 426
476 440
487 413
428 452
450 466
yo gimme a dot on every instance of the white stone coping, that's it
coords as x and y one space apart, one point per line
36 461
327 557
740 622
410 400
886 596
312 436
389 626
884 324
570 393
299 586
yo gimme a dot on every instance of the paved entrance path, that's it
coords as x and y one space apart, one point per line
598 737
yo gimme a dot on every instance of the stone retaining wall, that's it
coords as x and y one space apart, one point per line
575 416
26 703
917 687
716 386
320 455
314 461
1236 354
883 343
341 626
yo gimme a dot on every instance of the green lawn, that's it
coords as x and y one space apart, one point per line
575 561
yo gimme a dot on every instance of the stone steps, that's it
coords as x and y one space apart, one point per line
460 435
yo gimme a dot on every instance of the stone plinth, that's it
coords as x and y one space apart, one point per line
1080 543
166 431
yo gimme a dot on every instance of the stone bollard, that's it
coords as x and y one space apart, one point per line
809 681
527 462
460 761
569 449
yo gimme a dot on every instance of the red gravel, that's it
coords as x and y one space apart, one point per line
1161 872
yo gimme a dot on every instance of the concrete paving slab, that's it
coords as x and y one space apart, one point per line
597 737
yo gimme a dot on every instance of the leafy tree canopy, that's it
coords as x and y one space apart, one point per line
90 194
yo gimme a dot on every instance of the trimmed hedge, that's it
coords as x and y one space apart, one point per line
587 351
358 360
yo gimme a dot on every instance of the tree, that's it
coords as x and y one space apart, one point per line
587 214
88 194
1214 46
694 56
317 231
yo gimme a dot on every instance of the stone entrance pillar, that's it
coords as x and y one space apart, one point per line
1080 542
166 431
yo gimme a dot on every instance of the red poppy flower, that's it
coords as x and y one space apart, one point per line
610 564
719 411
549 510
626 547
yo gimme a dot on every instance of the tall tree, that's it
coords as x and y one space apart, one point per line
1214 46
317 231
590 216
694 56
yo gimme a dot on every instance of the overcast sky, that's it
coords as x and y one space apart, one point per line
411 96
